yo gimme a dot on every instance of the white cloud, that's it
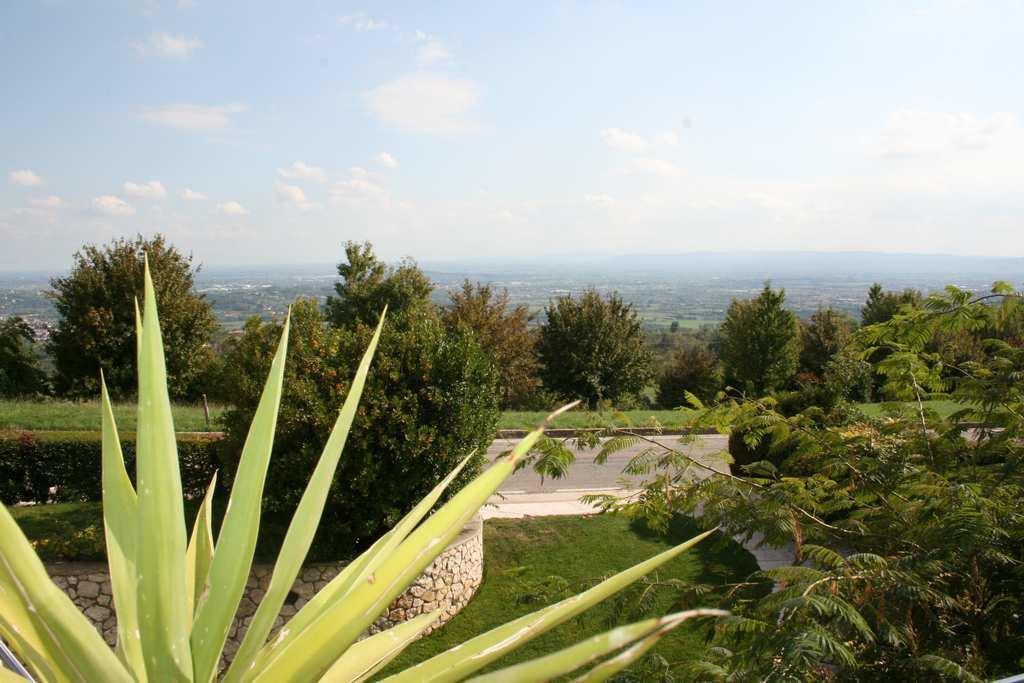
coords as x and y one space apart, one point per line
192 117
357 190
232 209
358 171
915 133
51 202
166 45
600 199
650 166
386 160
293 194
303 171
25 177
115 206
668 138
624 140
361 22
191 195
432 52
154 189
425 103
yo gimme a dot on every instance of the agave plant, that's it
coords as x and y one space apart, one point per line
176 595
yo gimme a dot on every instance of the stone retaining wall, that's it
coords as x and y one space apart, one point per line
447 584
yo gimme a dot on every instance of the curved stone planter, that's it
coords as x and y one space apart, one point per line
447 584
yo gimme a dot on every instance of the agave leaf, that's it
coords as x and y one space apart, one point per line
160 563
16 628
199 554
476 653
304 522
306 654
120 526
10 677
614 665
69 640
236 541
369 656
571 658
362 566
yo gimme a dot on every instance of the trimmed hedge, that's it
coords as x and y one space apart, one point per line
31 463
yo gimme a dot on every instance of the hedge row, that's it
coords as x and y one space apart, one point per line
64 467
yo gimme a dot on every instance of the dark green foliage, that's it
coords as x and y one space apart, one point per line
20 374
502 331
593 348
881 305
907 531
760 343
430 399
821 338
693 369
33 462
367 285
96 329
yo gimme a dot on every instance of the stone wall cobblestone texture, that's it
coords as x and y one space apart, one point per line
447 584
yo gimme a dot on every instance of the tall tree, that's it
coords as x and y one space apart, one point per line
368 284
593 348
20 374
760 343
502 331
96 328
881 305
827 331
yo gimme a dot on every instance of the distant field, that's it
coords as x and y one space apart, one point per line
576 419
85 416
944 408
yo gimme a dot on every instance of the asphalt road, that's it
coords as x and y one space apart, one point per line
585 476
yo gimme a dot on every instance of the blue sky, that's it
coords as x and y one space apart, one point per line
258 132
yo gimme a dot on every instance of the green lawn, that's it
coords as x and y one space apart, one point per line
519 554
944 408
85 416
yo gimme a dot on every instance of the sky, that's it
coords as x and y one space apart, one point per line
270 133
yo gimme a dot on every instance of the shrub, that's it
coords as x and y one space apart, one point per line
31 463
693 368
432 400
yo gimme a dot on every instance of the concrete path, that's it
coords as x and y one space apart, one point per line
525 495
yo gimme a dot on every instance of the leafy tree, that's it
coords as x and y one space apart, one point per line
694 369
96 329
430 401
822 337
881 305
20 374
368 284
760 343
502 331
906 530
593 348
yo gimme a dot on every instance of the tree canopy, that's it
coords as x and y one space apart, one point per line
760 343
593 348
96 325
20 372
821 338
502 330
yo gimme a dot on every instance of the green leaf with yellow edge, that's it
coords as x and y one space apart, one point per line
160 558
372 654
236 541
576 656
304 523
70 641
199 554
476 653
17 629
306 654
120 527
